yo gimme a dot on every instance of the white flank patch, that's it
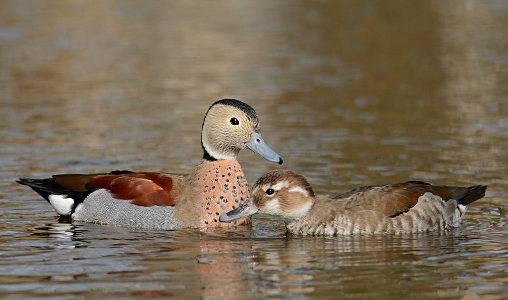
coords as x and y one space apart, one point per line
462 209
460 212
280 185
61 204
299 189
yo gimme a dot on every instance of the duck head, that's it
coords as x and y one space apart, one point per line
280 193
230 126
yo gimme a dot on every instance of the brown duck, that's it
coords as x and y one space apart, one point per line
408 207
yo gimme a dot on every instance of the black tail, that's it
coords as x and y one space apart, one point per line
74 186
472 194
66 191
48 186
44 187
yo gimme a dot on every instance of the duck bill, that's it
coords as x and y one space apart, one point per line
243 211
257 145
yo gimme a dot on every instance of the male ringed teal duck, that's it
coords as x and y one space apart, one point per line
167 200
408 207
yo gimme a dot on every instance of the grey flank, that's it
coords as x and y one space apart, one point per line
100 208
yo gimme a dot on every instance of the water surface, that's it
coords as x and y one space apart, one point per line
349 94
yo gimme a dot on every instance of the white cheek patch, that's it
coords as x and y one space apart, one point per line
272 207
299 189
61 204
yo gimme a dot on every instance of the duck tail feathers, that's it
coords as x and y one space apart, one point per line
472 194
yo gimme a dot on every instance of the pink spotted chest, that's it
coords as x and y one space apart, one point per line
223 187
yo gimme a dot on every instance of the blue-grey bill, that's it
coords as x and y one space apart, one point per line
258 145
243 211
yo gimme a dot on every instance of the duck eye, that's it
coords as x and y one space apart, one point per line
269 191
234 121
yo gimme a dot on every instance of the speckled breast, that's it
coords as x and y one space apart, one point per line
222 187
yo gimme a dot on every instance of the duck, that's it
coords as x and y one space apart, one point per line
168 201
400 208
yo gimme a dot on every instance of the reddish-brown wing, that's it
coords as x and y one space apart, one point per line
144 189
393 199
402 196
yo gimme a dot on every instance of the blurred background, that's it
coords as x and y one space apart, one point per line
349 92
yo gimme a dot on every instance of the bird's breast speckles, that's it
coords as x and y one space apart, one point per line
222 186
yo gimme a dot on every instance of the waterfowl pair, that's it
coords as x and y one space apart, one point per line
166 200
408 207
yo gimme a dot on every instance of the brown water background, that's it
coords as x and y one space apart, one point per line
349 93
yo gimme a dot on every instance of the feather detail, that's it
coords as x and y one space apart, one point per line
143 189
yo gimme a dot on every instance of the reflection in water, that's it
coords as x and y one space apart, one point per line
351 93
222 269
340 262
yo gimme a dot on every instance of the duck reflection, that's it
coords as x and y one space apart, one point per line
245 263
315 264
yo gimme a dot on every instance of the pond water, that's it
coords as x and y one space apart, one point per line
350 94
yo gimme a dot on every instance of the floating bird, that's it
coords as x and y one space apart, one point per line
408 207
167 200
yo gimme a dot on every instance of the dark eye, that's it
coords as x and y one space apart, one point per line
269 191
234 121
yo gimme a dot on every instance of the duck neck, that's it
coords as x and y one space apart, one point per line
300 213
211 153
206 155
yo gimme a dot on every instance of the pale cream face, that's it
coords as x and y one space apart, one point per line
286 196
226 129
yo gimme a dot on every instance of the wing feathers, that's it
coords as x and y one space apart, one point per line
395 199
144 189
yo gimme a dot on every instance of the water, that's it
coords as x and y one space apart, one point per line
348 93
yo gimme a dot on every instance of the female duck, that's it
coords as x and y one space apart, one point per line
408 207
165 200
